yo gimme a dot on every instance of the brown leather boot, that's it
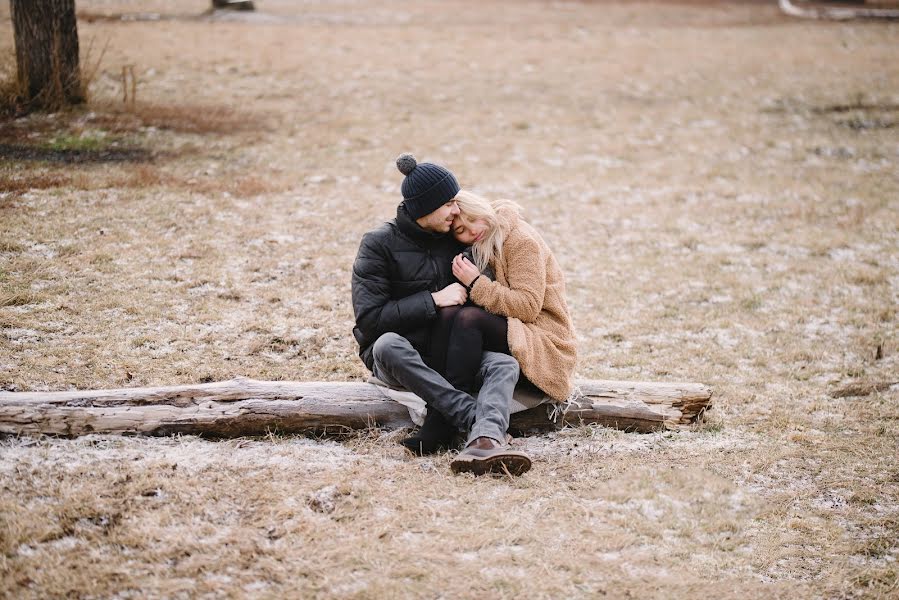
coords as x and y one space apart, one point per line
485 455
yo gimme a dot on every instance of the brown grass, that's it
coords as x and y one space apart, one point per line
119 147
181 118
9 97
692 167
18 298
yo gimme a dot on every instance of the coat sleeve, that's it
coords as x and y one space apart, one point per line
522 299
376 313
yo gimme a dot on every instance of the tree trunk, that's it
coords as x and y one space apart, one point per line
247 407
46 38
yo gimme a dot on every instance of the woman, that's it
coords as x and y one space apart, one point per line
519 308
519 291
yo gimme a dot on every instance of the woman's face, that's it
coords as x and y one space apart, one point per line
468 230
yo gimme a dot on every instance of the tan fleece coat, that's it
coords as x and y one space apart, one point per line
530 291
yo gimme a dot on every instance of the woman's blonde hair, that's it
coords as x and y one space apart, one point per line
473 207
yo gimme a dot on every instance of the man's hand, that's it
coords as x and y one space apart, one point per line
452 295
464 270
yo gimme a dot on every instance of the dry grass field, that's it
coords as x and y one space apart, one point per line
720 185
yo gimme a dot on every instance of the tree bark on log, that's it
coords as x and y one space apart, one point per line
836 13
47 62
246 407
233 5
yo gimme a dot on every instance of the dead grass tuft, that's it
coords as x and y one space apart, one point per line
10 246
142 177
19 298
252 185
11 105
868 277
26 181
862 389
240 186
180 118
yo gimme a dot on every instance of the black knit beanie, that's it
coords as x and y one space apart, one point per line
426 186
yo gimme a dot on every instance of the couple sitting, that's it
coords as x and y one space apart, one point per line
457 325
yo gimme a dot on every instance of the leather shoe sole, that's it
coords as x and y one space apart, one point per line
494 461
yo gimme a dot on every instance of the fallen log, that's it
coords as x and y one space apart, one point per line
836 13
242 407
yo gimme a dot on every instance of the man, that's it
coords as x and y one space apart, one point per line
402 279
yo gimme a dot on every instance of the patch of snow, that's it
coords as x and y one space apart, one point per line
20 334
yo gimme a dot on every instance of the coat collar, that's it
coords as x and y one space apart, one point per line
413 231
508 218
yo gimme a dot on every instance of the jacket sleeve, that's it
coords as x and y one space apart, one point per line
376 313
522 299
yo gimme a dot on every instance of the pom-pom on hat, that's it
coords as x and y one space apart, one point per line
426 186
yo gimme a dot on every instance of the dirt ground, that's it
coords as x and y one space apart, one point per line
720 185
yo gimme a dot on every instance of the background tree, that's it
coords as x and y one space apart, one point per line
47 63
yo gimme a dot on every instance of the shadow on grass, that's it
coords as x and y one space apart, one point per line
25 152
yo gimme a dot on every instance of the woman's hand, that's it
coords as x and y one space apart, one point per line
464 270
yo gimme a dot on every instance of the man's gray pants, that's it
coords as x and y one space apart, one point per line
398 364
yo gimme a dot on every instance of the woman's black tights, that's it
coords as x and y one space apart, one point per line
474 330
458 338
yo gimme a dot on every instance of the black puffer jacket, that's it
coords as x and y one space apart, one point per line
398 265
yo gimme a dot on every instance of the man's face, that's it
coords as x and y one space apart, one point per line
441 220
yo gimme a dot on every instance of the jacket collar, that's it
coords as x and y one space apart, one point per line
508 219
413 231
